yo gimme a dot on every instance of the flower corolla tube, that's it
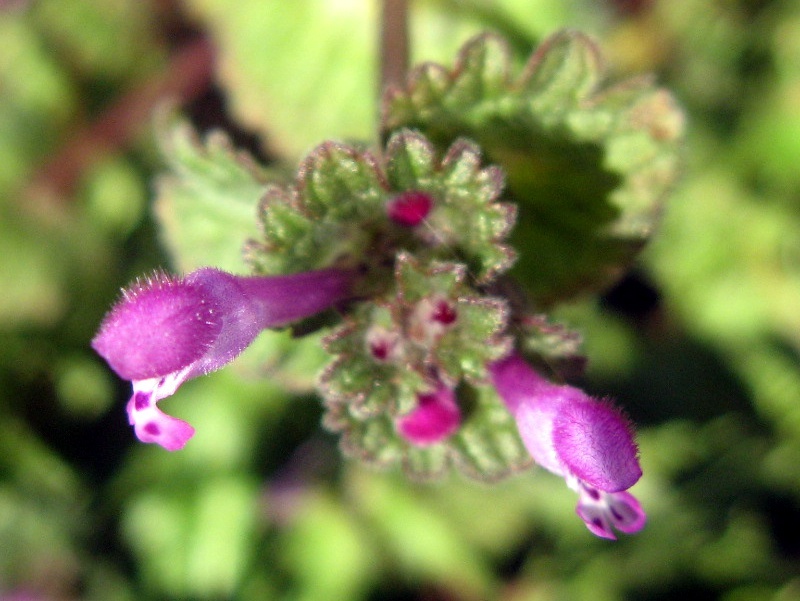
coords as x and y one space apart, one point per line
166 330
586 441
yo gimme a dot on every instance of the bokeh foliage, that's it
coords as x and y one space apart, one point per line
701 344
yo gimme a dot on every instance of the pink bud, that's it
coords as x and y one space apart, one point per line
410 208
435 418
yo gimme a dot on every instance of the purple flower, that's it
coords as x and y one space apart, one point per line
435 418
166 330
587 442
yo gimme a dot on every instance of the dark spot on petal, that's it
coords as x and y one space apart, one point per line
152 428
617 515
592 493
141 401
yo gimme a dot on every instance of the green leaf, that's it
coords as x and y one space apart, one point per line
332 213
336 212
303 71
341 181
39 100
420 537
370 385
112 39
564 70
300 71
589 166
193 541
466 218
206 203
554 346
366 392
328 551
488 447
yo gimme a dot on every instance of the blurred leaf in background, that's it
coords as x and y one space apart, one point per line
701 342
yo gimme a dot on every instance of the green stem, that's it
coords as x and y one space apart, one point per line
393 43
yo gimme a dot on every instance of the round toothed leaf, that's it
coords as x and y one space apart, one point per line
557 348
342 182
348 208
589 166
464 351
331 215
410 162
486 447
415 281
371 383
465 221
473 336
430 332
376 442
289 239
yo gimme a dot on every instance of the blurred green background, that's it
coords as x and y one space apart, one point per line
700 343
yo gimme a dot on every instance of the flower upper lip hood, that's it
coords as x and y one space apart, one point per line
595 442
207 318
166 330
160 325
588 442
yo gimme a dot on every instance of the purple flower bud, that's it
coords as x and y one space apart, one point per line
167 330
409 208
435 418
588 442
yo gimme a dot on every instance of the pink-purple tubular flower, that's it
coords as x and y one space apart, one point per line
587 442
167 330
435 418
